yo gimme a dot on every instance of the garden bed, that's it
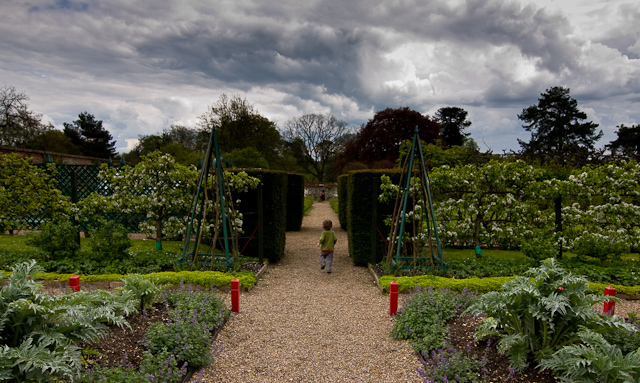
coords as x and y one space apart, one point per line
496 367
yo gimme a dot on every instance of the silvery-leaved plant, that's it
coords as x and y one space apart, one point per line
540 312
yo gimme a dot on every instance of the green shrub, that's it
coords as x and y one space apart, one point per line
598 288
204 278
274 197
109 240
366 215
296 202
594 360
598 246
542 246
539 313
343 195
55 237
39 332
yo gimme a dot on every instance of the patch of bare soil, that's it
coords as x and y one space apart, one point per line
122 346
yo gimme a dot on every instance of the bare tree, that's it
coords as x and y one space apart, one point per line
18 124
315 139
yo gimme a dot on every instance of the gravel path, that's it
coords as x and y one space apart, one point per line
300 324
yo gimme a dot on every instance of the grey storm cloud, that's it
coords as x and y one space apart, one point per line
141 65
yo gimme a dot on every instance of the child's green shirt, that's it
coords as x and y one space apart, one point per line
327 240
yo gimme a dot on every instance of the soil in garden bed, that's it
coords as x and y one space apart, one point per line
122 345
462 329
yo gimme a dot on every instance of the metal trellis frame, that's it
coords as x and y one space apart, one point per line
406 193
223 214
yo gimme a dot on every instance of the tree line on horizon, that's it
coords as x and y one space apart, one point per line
320 145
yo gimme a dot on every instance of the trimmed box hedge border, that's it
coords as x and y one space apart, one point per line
481 285
205 278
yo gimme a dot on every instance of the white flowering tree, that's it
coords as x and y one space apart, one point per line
239 182
512 203
157 187
418 232
606 213
491 203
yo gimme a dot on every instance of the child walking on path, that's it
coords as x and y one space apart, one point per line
327 241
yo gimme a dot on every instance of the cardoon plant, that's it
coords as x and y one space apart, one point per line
540 312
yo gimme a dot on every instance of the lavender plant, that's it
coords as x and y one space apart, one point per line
448 364
188 335
184 336
210 308
158 368
423 317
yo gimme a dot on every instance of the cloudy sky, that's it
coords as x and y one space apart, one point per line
142 65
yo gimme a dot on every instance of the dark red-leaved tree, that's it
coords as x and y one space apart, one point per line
379 140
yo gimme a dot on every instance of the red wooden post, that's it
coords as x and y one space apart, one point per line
609 306
393 298
74 283
235 295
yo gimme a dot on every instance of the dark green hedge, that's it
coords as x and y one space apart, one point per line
274 197
343 195
366 229
295 201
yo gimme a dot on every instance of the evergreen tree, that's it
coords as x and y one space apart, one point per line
90 136
628 142
453 122
557 131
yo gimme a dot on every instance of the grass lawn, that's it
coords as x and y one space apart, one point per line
308 204
491 253
19 243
